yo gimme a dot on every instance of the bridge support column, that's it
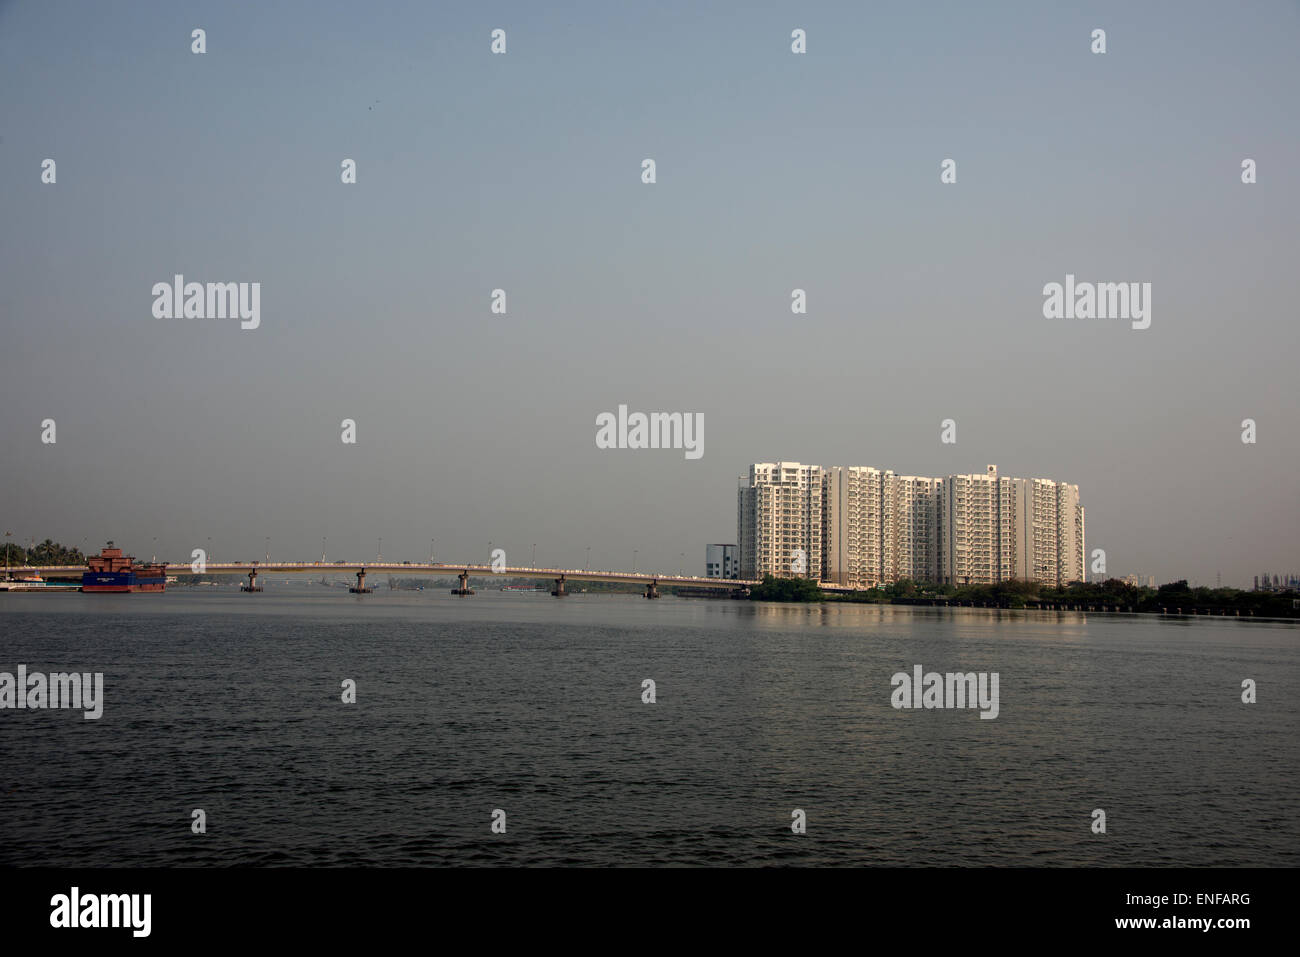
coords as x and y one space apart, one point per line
361 588
652 589
464 588
252 582
559 591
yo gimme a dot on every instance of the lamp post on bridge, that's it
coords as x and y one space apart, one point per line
634 561
534 565
587 567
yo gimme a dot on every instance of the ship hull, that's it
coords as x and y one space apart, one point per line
112 572
119 583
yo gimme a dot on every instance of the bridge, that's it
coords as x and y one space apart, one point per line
561 577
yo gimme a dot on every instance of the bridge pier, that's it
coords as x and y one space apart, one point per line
252 582
361 588
652 589
464 588
559 591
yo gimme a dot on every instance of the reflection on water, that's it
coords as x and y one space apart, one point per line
231 703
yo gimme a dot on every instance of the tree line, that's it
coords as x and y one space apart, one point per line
1027 594
46 553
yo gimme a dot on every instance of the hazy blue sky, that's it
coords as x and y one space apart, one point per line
522 171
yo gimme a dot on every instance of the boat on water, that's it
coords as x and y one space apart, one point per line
35 583
112 571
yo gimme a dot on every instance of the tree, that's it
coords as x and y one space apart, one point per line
786 589
48 552
1172 590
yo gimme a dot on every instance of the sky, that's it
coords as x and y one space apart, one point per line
523 172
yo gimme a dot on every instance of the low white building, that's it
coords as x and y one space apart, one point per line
722 561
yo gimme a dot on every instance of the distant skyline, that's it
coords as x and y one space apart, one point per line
523 172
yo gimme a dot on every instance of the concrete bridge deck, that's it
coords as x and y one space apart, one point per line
432 570
415 569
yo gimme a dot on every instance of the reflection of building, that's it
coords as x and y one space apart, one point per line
876 526
722 561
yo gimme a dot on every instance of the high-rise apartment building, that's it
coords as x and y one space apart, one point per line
1071 555
976 513
854 524
997 528
779 520
1047 532
878 527
911 528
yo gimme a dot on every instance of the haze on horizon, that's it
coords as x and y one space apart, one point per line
523 172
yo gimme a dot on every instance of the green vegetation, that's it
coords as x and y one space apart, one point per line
46 553
786 589
1113 592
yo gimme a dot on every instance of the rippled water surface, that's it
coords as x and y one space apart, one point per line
231 703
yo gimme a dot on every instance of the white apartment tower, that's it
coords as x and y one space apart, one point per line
1069 534
976 546
880 527
868 526
911 528
1036 528
854 517
1048 532
996 529
779 520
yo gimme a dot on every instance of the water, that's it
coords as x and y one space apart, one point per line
231 703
